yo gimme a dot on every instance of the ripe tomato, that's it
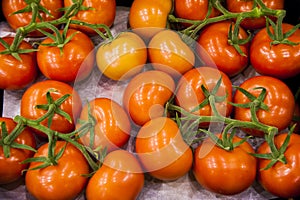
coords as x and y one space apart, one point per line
167 52
224 172
278 60
214 50
162 150
149 17
11 167
112 129
36 95
189 93
23 19
238 6
75 62
281 179
122 57
16 74
279 99
99 12
120 177
65 180
146 94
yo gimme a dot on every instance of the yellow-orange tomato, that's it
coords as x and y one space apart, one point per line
122 57
146 94
168 52
148 17
162 150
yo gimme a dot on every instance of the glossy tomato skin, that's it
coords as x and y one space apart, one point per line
120 177
23 19
189 93
146 94
279 99
238 6
16 74
65 180
100 12
214 50
224 172
123 57
36 95
281 60
281 179
74 63
162 150
112 129
11 168
169 53
149 17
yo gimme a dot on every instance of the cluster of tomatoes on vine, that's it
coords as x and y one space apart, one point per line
170 105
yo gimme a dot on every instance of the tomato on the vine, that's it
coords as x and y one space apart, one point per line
17 74
279 99
65 179
119 177
36 94
162 150
74 61
277 60
112 125
11 168
214 48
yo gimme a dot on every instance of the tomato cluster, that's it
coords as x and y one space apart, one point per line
180 111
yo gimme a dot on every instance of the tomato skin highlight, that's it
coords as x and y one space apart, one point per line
120 177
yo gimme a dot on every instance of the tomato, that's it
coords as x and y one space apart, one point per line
146 94
23 19
189 93
162 150
120 177
279 99
64 180
112 129
15 74
74 61
278 60
149 17
99 12
167 52
238 6
214 50
36 95
123 57
11 168
281 179
224 172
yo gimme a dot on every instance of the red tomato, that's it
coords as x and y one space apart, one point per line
64 180
16 74
189 93
278 60
75 62
120 177
214 49
238 6
99 12
23 19
11 167
279 99
36 95
112 129
281 179
146 94
224 172
162 150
